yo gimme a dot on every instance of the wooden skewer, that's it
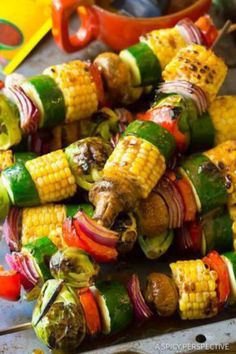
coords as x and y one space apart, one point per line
225 29
17 328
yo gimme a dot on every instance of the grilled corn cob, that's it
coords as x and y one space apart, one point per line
139 161
223 112
52 176
6 159
64 135
232 212
78 88
43 220
197 289
199 66
224 158
165 43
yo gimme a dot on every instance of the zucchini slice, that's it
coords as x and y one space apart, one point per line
20 186
10 132
115 305
230 260
144 66
207 182
41 251
49 99
4 202
217 229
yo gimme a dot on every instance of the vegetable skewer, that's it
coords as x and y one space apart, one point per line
108 204
72 91
204 287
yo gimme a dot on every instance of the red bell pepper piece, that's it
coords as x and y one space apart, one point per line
163 118
97 79
208 29
99 252
70 236
215 262
195 231
188 197
91 312
10 285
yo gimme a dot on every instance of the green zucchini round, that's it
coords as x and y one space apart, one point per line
20 186
207 182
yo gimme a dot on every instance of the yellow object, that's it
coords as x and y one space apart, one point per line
52 176
42 221
223 114
200 66
165 43
224 158
232 212
79 90
23 23
137 160
197 289
6 159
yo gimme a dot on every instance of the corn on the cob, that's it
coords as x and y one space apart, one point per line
224 158
199 66
41 221
52 176
6 159
78 88
223 113
232 212
197 289
137 160
165 43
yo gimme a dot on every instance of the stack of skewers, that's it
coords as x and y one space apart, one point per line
163 177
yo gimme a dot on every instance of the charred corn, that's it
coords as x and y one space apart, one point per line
165 44
224 158
79 90
41 221
199 66
197 289
6 159
223 114
52 176
139 161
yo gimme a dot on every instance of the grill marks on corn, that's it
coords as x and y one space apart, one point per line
52 176
165 44
136 159
199 66
78 88
197 286
224 158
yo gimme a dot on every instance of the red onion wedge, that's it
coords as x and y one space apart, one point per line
187 89
173 199
96 232
12 229
24 265
141 309
190 32
29 113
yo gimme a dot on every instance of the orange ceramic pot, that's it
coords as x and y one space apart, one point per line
115 30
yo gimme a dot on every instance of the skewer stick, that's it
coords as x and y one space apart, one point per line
225 29
14 329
